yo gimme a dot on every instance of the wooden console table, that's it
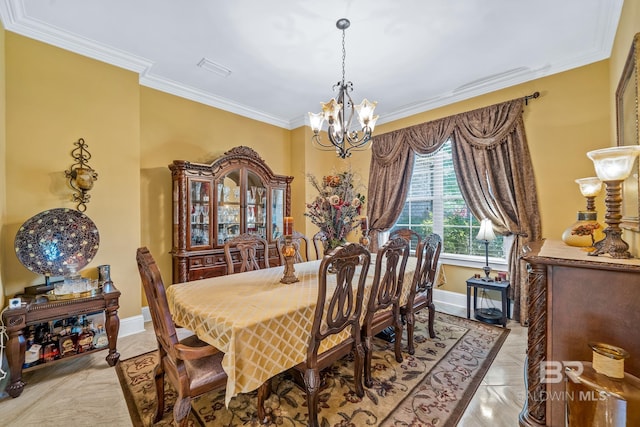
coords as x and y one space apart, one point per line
574 299
15 320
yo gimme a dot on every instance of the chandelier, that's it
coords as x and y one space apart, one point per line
339 113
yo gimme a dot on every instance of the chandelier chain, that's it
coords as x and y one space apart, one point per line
344 56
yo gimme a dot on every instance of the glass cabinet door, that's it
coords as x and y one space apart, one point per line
228 198
277 212
256 213
199 206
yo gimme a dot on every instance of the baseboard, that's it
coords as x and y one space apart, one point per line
131 325
453 300
146 314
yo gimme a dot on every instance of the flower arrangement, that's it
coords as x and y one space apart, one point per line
337 207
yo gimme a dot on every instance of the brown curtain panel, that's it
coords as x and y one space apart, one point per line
392 160
494 170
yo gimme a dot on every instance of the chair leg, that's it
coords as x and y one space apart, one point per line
159 382
398 343
312 388
410 328
358 367
368 349
432 315
181 410
263 394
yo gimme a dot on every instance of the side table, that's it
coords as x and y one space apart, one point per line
33 313
496 316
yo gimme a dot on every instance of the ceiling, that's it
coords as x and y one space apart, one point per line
276 60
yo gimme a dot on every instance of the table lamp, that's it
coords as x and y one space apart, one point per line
486 235
586 230
613 165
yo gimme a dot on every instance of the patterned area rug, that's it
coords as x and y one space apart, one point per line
431 388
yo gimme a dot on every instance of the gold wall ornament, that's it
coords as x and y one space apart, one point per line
81 175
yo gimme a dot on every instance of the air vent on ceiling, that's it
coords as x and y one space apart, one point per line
213 67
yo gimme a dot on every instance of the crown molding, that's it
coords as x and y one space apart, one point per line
184 91
14 18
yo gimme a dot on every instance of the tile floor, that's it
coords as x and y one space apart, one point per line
86 392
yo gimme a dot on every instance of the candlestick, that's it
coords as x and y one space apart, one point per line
288 225
364 223
364 226
288 252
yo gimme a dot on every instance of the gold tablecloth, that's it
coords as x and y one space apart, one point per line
261 325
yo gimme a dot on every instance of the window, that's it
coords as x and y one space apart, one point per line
435 204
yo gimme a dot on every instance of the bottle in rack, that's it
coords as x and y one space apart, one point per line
50 350
33 352
85 338
100 339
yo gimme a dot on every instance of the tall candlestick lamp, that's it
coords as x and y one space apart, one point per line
613 165
486 235
288 252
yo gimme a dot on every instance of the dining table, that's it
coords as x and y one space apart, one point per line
262 326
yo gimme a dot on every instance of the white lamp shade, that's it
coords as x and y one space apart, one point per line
614 164
589 187
316 120
486 231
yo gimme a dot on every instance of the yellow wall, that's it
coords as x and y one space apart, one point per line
173 128
3 146
628 26
53 98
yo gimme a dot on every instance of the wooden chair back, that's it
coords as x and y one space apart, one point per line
157 299
319 243
249 247
333 314
426 275
414 238
383 306
421 292
300 243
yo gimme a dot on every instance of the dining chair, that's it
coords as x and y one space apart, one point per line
300 243
337 313
383 306
319 242
248 246
421 292
192 366
413 237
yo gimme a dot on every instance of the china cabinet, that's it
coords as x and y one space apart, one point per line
214 202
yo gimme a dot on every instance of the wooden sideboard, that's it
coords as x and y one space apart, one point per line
575 299
32 313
